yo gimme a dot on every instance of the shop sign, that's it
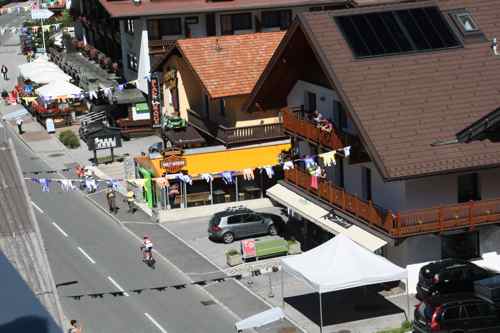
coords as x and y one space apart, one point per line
173 164
155 100
141 111
105 138
248 249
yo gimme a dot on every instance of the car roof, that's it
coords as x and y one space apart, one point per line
446 263
233 211
453 298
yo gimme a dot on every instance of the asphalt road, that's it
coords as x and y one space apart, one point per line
85 244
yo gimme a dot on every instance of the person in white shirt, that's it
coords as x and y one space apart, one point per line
19 123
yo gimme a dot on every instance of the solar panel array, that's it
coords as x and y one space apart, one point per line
398 31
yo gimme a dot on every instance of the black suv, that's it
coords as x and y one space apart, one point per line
448 276
457 313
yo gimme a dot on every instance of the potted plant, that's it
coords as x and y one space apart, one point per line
294 247
233 257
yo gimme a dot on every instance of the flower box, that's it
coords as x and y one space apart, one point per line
233 257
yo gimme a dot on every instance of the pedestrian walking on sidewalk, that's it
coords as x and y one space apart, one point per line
74 327
4 72
19 123
111 197
130 201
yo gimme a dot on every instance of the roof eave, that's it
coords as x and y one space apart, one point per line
155 12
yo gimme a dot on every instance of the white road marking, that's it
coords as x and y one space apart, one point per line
117 285
38 208
60 229
86 255
162 330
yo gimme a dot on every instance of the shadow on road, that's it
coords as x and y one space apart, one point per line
344 306
26 324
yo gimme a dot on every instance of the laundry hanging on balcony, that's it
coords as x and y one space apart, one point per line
328 158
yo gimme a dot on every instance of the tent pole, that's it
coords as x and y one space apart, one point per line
320 314
282 289
407 300
211 192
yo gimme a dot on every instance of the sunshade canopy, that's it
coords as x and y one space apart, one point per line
58 88
49 76
39 64
340 264
260 319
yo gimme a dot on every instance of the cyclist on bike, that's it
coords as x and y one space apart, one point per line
147 247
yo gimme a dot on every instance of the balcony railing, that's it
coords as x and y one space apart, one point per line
294 122
237 135
160 45
403 224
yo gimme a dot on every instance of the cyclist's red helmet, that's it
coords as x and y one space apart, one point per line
146 237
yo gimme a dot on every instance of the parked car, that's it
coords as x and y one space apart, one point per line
456 313
448 276
240 222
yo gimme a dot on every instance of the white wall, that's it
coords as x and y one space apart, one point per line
131 43
439 190
324 97
389 195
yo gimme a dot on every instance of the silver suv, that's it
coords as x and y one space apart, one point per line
241 222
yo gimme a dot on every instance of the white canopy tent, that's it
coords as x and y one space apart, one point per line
39 64
340 264
58 88
48 76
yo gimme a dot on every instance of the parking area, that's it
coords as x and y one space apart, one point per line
358 310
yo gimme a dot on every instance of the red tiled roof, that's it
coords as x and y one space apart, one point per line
402 104
127 8
234 68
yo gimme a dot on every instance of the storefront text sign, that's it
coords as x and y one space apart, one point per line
104 143
155 100
173 163
248 248
105 138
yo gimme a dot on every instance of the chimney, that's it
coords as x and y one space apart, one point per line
217 45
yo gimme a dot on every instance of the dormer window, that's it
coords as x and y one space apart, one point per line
466 22
467 26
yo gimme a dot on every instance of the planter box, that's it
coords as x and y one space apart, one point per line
233 259
294 247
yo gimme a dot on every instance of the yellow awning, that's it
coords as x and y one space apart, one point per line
235 159
217 161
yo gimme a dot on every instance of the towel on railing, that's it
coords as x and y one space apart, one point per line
288 165
314 182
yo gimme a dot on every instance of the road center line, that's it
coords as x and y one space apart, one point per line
60 229
86 255
162 330
117 285
37 208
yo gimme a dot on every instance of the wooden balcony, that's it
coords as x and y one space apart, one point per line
237 135
159 46
403 224
295 123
